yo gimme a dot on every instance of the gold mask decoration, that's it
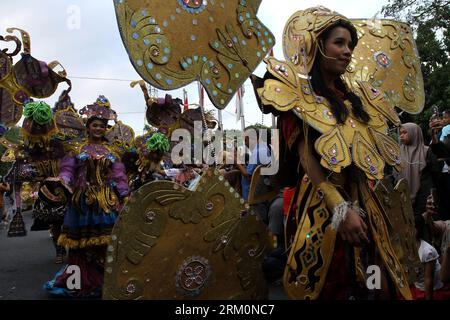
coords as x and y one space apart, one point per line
173 43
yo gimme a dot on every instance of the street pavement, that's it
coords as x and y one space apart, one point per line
26 263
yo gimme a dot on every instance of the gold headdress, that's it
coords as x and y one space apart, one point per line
386 58
301 33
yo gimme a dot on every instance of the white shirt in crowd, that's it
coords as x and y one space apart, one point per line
428 253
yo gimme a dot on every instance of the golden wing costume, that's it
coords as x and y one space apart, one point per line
349 149
173 43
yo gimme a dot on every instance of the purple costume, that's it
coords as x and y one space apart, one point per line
98 183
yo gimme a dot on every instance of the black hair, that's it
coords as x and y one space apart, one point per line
419 223
337 106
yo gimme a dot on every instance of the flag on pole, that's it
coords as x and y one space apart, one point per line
239 103
201 94
185 101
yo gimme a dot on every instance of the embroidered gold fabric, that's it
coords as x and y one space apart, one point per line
312 248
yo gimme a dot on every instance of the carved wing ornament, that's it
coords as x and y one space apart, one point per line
202 240
173 43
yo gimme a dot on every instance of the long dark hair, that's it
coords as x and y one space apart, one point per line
337 106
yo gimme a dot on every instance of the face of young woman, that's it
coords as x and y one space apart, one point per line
404 136
97 129
338 46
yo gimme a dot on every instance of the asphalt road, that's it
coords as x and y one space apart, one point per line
26 263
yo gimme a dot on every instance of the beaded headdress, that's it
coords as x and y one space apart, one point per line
301 33
101 109
386 57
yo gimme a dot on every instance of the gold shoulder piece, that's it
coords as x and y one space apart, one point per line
333 150
376 99
290 91
388 148
278 95
284 71
283 92
366 157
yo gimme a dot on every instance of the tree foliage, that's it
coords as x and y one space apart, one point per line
417 12
430 20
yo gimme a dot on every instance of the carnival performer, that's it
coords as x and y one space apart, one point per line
94 178
335 146
42 153
151 148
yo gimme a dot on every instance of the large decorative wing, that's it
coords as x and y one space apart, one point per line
386 56
172 43
400 217
10 109
69 124
28 77
121 135
173 243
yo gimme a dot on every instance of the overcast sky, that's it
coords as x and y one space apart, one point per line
95 49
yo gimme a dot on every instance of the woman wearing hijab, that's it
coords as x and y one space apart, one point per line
419 165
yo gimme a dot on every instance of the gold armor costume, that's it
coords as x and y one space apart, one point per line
343 148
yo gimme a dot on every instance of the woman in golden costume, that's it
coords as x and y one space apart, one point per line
334 140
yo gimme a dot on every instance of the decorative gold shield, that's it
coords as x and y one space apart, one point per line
173 243
400 219
262 187
386 56
172 43
121 135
